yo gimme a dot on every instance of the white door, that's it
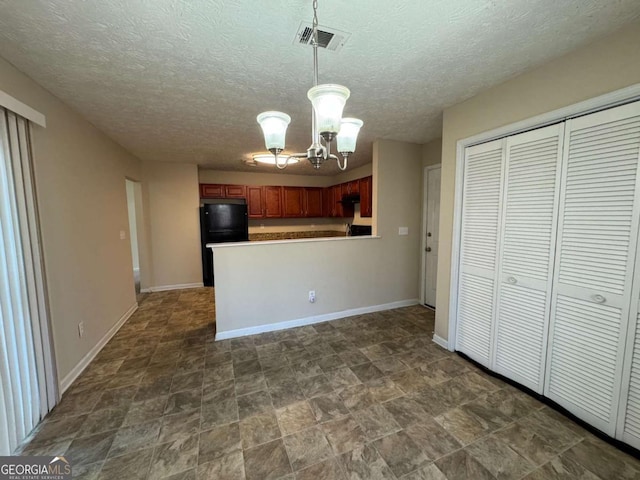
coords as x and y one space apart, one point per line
528 235
597 235
431 250
629 421
479 247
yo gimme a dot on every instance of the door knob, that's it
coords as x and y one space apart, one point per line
428 249
428 234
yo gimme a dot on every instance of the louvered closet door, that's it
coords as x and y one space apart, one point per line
529 214
480 210
597 236
629 422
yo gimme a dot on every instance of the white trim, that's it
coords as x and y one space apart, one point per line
271 327
591 105
178 286
16 106
66 382
438 340
425 215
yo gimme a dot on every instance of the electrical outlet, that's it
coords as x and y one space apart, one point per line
403 230
123 235
312 296
81 329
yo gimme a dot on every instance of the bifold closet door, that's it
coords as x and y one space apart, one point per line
597 235
528 234
478 256
629 421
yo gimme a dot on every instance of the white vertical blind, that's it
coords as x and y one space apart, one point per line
480 211
27 375
529 219
597 237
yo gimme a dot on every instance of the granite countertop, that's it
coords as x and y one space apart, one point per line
261 237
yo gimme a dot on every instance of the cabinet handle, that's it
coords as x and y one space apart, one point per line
599 298
512 280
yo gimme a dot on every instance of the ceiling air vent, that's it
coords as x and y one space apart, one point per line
328 38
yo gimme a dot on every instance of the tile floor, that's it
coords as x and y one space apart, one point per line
368 397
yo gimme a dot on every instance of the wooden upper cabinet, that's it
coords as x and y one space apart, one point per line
313 204
366 197
353 187
337 197
234 191
272 202
208 190
293 201
255 201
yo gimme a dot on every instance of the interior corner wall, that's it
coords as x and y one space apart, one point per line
608 64
432 152
171 203
80 186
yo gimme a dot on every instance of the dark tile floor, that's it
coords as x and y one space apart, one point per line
367 397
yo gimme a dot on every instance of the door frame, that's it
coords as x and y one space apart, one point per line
423 242
602 102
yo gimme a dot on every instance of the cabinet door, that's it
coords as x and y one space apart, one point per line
354 187
528 235
337 196
313 202
234 191
293 201
208 190
629 421
597 230
255 202
366 203
479 247
272 202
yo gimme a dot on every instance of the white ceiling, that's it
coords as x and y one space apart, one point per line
183 80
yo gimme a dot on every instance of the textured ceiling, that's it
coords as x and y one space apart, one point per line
182 80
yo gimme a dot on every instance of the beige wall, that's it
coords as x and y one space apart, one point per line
346 273
80 183
249 178
173 202
432 152
608 64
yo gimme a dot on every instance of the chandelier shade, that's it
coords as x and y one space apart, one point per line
346 139
328 102
274 126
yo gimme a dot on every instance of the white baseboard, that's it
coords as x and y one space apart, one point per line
66 382
440 341
300 322
179 286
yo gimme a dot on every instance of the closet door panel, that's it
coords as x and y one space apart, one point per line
629 423
480 211
597 239
532 174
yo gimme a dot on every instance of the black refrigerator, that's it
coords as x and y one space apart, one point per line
220 223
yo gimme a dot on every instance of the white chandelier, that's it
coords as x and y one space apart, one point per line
328 101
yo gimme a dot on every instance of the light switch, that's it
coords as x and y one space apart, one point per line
403 231
123 234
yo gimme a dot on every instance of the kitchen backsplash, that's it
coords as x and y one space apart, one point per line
261 237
